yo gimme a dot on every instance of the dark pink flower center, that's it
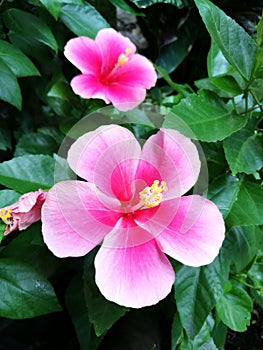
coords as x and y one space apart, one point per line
122 60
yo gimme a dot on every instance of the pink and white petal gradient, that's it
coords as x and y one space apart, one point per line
59 236
134 277
89 86
125 97
81 209
111 70
107 157
195 234
85 54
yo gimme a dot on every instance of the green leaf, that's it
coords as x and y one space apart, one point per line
244 152
62 171
10 90
234 308
24 25
35 143
216 62
227 83
236 44
2 230
201 117
248 207
28 173
196 291
193 300
52 6
146 3
256 87
8 197
62 90
243 242
255 274
24 292
79 314
219 334
258 68
223 192
177 331
202 341
16 60
260 32
28 247
102 312
122 4
61 98
240 201
82 20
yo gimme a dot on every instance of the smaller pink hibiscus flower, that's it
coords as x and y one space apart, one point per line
111 70
132 203
24 212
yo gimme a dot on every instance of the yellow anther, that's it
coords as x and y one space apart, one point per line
5 215
128 50
124 57
152 196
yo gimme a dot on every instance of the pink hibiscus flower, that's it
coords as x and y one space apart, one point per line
24 212
111 70
132 204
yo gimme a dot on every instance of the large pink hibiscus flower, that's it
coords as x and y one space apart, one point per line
132 203
111 70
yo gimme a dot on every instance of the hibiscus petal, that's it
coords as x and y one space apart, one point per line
138 71
195 234
134 277
112 44
125 97
88 86
107 157
84 53
76 217
29 210
176 159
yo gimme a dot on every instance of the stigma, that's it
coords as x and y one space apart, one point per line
124 57
152 196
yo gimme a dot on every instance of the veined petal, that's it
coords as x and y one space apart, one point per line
138 71
195 234
135 277
88 86
112 44
84 53
76 217
125 97
107 157
176 159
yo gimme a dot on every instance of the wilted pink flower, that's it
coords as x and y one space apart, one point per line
111 70
132 204
24 212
